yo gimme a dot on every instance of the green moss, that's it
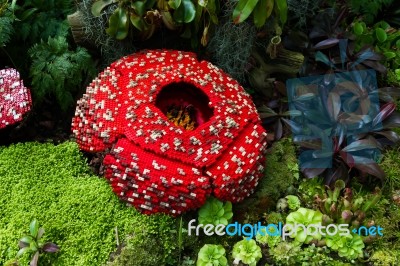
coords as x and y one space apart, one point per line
384 258
391 166
281 170
79 211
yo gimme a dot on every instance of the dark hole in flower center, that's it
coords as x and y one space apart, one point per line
184 104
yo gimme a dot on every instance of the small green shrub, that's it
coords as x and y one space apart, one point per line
58 71
391 165
79 211
281 170
6 23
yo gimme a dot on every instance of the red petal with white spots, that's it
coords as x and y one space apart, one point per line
15 98
126 108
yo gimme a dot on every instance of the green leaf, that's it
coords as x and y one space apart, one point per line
380 34
389 55
139 7
25 241
40 233
243 10
22 251
283 10
358 28
118 24
174 4
185 12
138 22
213 10
98 6
34 228
27 13
262 11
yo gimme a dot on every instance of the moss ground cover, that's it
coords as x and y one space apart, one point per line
78 210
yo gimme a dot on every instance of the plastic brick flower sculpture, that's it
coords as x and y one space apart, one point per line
15 98
178 130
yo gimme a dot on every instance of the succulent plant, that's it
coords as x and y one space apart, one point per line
273 217
339 205
215 212
352 246
267 239
334 242
246 251
212 255
293 202
283 253
304 217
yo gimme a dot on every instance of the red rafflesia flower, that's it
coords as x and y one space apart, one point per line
179 130
15 99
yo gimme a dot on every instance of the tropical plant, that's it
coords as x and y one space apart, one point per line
305 217
271 239
261 10
212 255
352 246
371 10
59 72
143 17
34 245
346 208
246 251
6 21
215 212
335 139
293 202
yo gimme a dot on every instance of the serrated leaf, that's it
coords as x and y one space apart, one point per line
243 10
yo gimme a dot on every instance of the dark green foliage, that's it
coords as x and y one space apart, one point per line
232 44
281 170
58 71
149 252
391 165
78 210
39 20
369 9
153 244
6 27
